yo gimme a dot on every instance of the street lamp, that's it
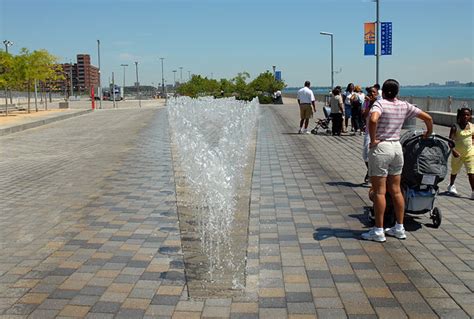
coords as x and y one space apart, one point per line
332 56
123 89
7 44
181 74
162 78
174 77
138 85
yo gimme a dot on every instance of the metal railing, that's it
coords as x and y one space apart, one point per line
450 105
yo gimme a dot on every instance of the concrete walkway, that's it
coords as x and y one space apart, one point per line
89 229
17 121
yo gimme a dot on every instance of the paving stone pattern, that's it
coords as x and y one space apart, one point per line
88 228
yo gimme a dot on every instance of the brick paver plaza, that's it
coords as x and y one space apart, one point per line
89 228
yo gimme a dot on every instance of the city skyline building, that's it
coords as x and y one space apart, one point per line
84 75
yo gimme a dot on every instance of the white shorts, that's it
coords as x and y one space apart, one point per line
386 159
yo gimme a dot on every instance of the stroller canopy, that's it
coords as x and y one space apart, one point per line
423 157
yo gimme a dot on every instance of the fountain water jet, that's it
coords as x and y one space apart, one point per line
213 151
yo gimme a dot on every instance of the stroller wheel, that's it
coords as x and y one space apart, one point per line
314 131
436 217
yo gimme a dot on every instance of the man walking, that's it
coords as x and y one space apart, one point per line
305 100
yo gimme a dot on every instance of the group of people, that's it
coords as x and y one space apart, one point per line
383 115
350 105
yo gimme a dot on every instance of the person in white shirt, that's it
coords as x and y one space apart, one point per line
305 100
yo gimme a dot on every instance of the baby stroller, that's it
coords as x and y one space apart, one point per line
323 123
425 165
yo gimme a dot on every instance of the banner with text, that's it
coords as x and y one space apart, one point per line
369 38
278 75
386 38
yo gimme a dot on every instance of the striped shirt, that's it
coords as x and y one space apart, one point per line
392 115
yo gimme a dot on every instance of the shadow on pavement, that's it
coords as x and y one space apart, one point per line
411 223
288 133
348 184
323 233
448 194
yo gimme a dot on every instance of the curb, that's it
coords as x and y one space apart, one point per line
26 126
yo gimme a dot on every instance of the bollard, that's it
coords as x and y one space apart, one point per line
450 103
92 98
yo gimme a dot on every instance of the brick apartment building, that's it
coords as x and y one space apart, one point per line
84 76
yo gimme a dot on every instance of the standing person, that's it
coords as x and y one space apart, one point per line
347 105
379 91
337 111
463 135
305 100
370 99
386 157
357 98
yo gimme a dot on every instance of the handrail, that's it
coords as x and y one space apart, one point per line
434 135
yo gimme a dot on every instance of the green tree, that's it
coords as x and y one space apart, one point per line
243 91
266 82
226 86
44 68
199 86
29 66
6 64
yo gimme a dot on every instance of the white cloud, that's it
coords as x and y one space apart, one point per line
463 61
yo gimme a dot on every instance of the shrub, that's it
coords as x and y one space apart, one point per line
263 99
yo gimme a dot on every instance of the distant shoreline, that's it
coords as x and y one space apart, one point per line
442 92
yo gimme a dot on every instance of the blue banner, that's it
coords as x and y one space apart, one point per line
369 38
386 38
278 75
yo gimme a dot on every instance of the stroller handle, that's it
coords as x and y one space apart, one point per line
449 141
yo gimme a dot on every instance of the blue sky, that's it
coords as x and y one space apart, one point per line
432 39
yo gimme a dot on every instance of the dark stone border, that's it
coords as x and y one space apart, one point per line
26 126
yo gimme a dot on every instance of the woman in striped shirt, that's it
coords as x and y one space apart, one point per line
386 157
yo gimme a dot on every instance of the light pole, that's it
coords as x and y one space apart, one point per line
162 78
138 85
332 56
70 78
181 74
174 77
377 53
123 88
100 85
113 91
189 75
7 44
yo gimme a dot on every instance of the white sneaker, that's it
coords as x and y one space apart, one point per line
372 235
300 131
307 132
393 232
452 190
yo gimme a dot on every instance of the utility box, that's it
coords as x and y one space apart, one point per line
63 105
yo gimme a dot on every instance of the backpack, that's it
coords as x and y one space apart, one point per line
355 101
